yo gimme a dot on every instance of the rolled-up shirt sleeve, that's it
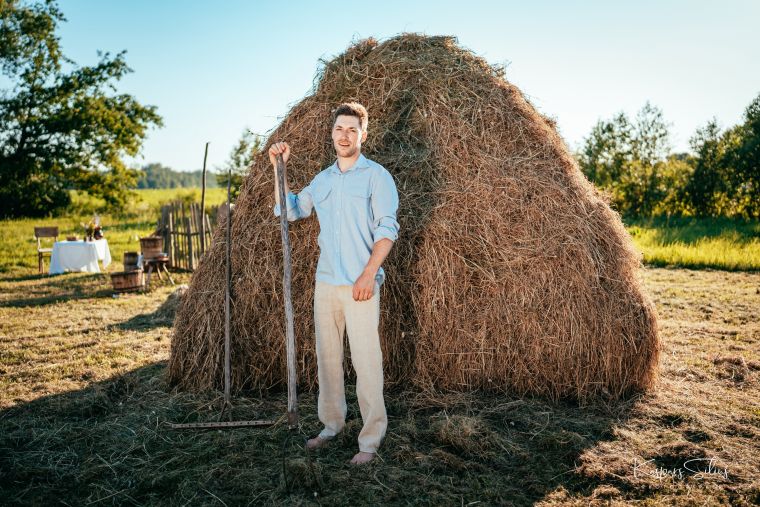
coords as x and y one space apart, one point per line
298 205
384 207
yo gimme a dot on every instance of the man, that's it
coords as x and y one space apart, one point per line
356 203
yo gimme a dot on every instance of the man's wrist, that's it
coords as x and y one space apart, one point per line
371 271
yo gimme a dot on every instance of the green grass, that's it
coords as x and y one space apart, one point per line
18 246
718 243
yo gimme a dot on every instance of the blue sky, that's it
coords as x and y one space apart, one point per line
215 68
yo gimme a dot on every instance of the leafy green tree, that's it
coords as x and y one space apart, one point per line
61 129
726 177
629 160
743 155
707 190
239 161
606 150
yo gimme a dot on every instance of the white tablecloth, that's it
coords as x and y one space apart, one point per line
79 256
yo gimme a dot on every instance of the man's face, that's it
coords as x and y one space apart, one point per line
348 136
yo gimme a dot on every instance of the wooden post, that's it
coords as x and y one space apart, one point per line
203 202
228 296
208 228
189 244
193 227
164 231
168 237
173 224
183 235
290 343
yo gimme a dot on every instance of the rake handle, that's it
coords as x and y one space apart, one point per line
290 341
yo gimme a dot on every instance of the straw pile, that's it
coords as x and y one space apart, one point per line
511 272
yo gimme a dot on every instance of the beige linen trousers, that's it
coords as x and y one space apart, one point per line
335 311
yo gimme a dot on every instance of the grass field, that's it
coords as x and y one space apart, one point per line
85 407
698 243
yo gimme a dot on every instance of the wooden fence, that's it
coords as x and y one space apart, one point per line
180 226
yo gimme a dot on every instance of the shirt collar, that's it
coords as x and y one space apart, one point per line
360 163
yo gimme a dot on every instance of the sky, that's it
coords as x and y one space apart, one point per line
214 69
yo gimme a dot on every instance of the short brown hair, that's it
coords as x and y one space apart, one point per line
353 109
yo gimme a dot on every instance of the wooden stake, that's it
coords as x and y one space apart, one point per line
290 341
228 255
203 203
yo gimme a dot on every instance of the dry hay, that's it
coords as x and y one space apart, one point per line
510 272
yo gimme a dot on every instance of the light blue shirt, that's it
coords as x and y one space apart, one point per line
355 209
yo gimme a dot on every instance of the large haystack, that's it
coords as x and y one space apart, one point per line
510 272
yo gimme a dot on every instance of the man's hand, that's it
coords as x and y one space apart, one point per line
279 148
364 286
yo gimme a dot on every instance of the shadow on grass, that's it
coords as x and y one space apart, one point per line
59 288
163 316
110 441
24 278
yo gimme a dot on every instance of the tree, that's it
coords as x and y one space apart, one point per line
630 161
743 154
606 150
726 179
239 161
707 190
61 130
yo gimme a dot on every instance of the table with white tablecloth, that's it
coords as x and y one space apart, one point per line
79 256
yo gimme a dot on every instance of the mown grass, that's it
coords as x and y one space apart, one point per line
85 407
719 243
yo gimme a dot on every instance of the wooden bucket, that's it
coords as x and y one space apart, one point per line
130 261
127 281
151 246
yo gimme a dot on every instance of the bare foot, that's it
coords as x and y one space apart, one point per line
316 442
362 458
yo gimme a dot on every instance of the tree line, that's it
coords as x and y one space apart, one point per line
631 161
159 176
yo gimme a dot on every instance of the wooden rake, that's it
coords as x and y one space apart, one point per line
290 334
